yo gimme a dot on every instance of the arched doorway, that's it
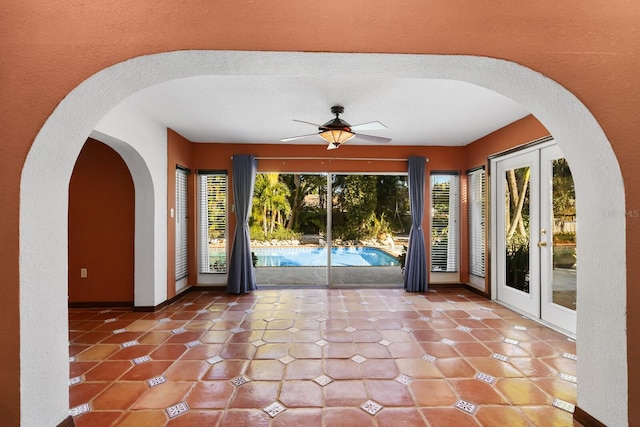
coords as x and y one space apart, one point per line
46 173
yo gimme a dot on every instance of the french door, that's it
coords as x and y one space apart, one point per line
534 235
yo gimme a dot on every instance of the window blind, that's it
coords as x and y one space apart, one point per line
476 204
212 214
445 213
181 229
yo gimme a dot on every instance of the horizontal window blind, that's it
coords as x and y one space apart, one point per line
476 202
181 229
445 213
212 209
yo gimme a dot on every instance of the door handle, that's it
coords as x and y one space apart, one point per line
542 244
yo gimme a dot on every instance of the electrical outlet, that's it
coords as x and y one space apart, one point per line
83 273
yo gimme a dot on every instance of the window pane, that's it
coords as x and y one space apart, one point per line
181 254
444 222
212 199
476 203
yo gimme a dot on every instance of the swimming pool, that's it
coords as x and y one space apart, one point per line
317 257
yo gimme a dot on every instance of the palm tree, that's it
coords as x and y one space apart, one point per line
270 201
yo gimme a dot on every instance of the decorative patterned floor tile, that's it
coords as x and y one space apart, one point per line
164 320
277 303
364 303
269 319
186 304
511 341
177 409
565 406
216 320
568 377
75 380
429 358
464 328
404 379
569 356
358 359
72 359
238 381
178 331
406 329
129 344
447 341
323 380
105 311
478 318
215 359
236 330
258 343
486 308
465 406
320 319
372 319
202 311
287 359
485 378
350 329
293 330
79 410
500 357
157 381
440 309
119 331
520 328
113 319
385 343
232 304
322 343
274 409
141 359
371 407
424 319
192 344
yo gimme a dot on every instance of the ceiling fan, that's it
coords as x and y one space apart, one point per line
337 131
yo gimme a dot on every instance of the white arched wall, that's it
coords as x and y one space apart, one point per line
44 193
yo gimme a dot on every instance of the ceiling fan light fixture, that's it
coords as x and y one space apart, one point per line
336 136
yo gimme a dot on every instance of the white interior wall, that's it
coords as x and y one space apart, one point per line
44 193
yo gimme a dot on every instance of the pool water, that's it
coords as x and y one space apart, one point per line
317 257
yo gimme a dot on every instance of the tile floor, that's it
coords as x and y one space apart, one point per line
318 357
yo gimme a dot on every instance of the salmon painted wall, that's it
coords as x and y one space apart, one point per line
179 153
101 227
49 48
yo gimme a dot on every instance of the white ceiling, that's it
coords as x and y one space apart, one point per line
261 109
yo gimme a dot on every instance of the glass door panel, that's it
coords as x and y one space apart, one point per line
369 218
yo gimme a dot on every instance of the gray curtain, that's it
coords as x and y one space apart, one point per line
241 278
415 268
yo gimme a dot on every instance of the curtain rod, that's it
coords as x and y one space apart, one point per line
333 158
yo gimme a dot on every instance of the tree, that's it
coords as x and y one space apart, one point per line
270 201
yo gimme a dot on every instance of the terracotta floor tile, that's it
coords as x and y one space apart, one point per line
267 351
79 368
168 352
122 337
145 371
418 368
98 352
304 369
427 335
532 367
345 393
379 369
405 349
347 417
184 337
187 370
556 387
400 417
85 392
438 349
143 418
132 352
493 367
298 417
340 350
225 370
108 370
154 337
210 395
196 418
562 364
501 416
119 395
373 335
433 393
202 352
389 393
242 351
478 392
255 394
245 418
473 349
455 368
265 370
97 418
92 337
523 392
301 394
456 335
342 369
163 395
540 349
548 416
450 417
215 337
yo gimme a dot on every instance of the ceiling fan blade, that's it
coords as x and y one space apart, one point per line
293 138
371 138
309 123
368 126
